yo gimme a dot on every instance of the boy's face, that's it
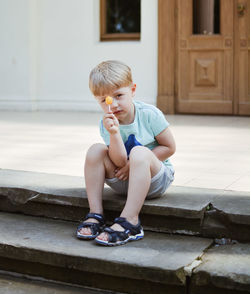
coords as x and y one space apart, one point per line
122 106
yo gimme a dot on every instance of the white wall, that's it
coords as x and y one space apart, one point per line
48 47
14 54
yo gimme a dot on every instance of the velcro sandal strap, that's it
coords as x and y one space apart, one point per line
115 236
94 227
99 217
134 229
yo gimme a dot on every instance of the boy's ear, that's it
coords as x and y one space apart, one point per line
133 88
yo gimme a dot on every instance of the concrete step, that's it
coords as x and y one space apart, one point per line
159 263
224 269
192 211
47 248
18 284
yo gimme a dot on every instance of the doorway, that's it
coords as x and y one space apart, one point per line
204 57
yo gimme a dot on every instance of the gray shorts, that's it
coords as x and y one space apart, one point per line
159 183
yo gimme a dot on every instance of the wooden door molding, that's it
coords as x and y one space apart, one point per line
242 59
166 55
236 60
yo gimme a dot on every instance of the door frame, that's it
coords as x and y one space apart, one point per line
167 24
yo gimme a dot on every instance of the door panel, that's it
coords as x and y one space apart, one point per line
205 63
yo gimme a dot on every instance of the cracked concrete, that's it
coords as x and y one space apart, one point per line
205 209
28 244
228 214
191 211
21 196
159 263
223 268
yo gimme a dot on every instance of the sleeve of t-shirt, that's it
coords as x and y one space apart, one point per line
104 133
158 121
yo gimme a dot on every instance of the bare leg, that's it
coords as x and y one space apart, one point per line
143 166
97 166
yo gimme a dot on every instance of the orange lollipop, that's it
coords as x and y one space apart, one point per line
109 101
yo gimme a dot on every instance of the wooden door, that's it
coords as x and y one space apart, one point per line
204 73
205 62
242 58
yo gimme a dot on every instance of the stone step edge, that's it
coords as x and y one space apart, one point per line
50 248
212 210
196 282
11 278
193 273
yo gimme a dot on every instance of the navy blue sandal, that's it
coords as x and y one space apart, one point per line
130 233
96 228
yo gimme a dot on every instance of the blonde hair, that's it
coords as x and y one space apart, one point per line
108 76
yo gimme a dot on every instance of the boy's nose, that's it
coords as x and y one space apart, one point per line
114 103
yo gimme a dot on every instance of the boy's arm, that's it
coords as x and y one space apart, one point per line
117 150
166 146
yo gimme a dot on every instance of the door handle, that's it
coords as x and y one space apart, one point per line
241 9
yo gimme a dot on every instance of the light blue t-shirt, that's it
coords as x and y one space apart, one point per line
148 123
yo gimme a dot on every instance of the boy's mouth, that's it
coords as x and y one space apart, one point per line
117 112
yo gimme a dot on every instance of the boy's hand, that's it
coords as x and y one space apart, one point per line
111 123
123 172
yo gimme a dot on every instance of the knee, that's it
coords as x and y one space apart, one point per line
139 154
96 153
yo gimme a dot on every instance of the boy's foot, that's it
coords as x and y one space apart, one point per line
87 230
117 227
91 227
120 233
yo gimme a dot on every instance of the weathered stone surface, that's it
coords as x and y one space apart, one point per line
179 201
182 210
158 259
16 285
229 216
183 202
42 184
224 269
237 208
179 210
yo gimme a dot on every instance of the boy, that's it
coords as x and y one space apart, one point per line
133 161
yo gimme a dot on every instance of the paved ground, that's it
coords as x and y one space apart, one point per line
212 151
